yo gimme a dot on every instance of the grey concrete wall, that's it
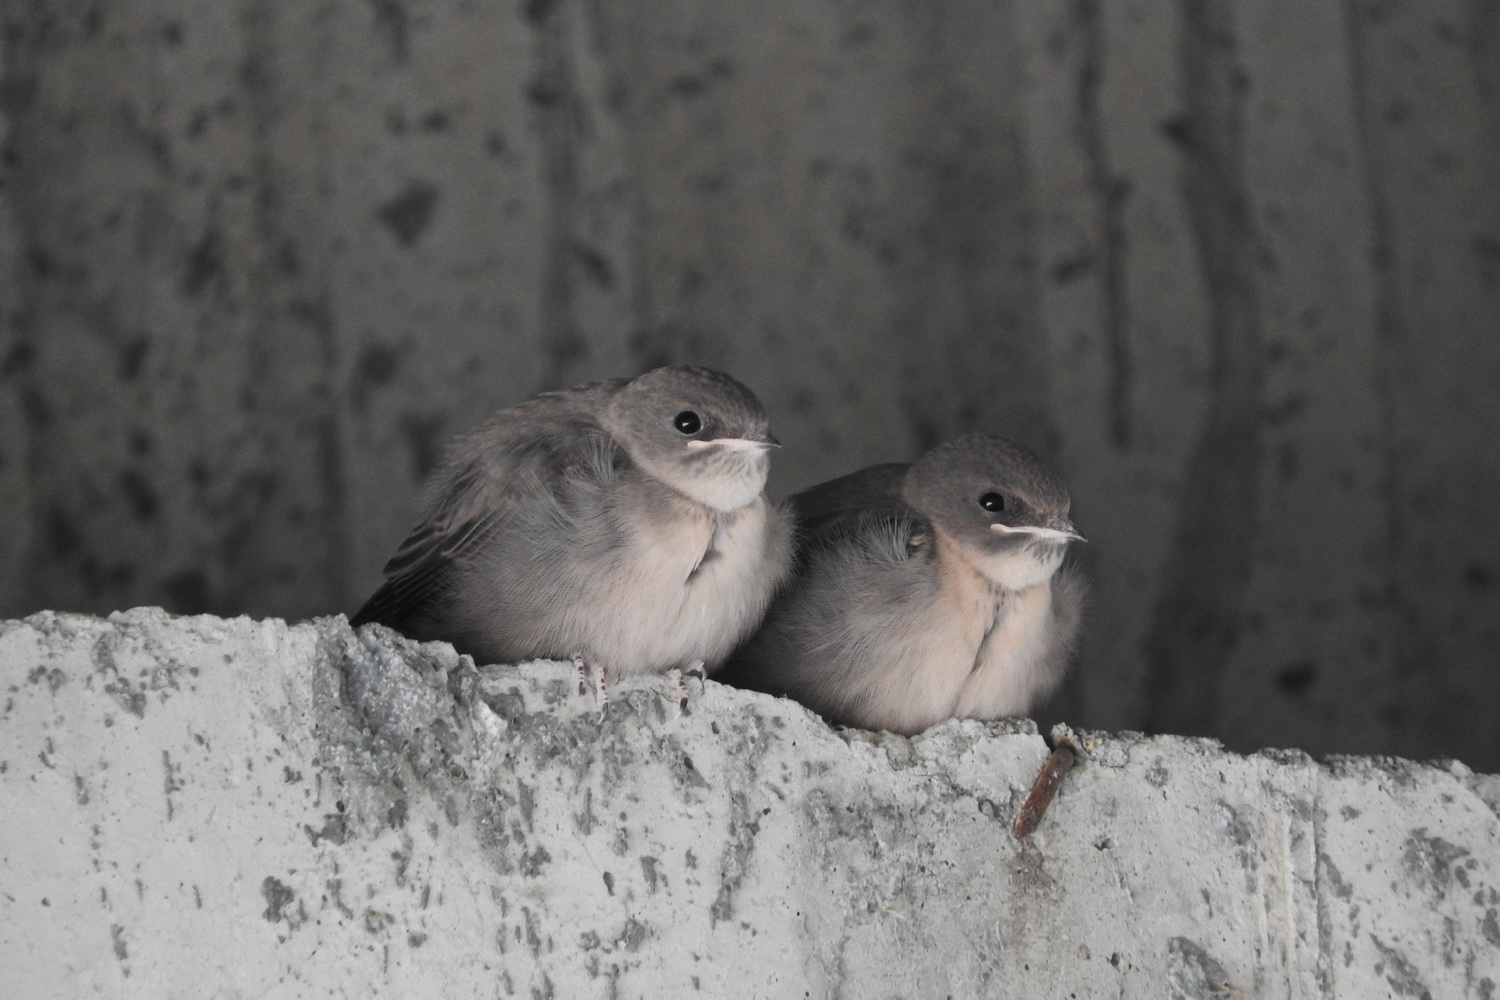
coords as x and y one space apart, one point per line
1233 264
241 809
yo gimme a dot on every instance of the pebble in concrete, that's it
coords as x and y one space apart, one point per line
247 808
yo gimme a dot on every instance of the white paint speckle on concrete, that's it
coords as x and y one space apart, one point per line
245 808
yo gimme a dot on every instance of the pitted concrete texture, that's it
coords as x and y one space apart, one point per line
238 808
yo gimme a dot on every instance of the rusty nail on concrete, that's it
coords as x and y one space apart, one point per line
1059 762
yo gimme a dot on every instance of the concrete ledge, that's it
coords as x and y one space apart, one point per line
241 808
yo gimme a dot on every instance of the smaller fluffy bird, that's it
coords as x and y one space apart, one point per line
622 524
924 592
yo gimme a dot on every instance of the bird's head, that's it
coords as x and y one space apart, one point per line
699 431
1004 509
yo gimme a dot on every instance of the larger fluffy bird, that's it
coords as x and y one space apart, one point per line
925 592
623 523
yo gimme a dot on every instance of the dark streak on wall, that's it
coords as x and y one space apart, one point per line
968 329
291 355
557 111
1112 191
1197 619
1390 335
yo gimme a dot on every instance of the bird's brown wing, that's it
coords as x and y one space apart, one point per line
829 513
521 454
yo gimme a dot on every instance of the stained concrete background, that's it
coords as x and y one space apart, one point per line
1233 264
241 809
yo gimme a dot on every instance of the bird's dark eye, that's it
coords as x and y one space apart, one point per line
992 502
687 422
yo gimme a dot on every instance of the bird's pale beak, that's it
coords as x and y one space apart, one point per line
1065 526
1058 529
757 442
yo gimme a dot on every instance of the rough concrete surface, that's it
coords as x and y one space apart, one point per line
241 808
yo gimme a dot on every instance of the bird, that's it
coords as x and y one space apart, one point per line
622 524
924 592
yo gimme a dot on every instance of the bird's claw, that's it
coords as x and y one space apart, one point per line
679 685
587 672
679 689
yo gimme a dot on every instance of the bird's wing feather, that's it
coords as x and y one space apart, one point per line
863 507
852 534
535 452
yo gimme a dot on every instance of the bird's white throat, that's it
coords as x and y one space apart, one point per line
723 473
1023 566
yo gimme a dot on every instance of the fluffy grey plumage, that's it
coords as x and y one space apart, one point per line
621 522
924 592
